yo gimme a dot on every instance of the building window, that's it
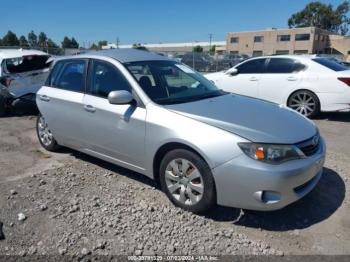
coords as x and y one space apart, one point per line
301 52
283 38
282 52
234 40
258 39
234 52
302 37
257 53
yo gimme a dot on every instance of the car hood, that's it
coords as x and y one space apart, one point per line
253 119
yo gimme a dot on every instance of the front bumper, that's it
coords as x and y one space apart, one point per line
249 184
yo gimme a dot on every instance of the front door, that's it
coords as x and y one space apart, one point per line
113 132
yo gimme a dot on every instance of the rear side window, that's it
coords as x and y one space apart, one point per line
255 66
71 76
283 66
105 78
330 64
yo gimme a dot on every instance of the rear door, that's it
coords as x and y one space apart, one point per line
246 81
281 76
61 101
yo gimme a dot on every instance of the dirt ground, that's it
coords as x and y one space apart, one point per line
75 204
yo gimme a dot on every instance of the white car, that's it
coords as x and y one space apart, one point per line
22 73
307 84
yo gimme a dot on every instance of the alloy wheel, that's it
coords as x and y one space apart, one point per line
303 102
184 181
45 134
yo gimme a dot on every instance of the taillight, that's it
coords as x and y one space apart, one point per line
345 80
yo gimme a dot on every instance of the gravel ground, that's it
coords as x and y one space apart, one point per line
68 203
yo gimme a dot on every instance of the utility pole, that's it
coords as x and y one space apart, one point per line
210 38
117 42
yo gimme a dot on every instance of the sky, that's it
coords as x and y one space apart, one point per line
145 21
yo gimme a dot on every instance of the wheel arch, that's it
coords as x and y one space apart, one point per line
160 153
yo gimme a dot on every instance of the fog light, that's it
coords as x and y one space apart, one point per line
267 197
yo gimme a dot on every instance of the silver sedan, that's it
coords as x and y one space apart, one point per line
160 118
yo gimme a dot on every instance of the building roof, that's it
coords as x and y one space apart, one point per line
169 45
126 55
13 53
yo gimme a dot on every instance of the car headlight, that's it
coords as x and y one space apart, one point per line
271 153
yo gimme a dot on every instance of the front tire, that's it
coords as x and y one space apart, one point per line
305 102
187 181
45 136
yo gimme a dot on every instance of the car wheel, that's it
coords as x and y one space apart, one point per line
304 102
2 106
45 136
187 181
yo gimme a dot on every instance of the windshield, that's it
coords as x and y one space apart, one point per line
331 64
169 82
27 63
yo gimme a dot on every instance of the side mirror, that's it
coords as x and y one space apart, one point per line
232 72
120 97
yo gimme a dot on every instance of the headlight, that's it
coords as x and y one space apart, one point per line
271 153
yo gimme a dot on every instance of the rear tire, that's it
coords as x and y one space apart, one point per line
2 106
305 102
45 136
187 181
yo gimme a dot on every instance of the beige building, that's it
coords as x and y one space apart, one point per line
309 40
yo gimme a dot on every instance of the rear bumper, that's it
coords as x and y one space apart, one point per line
331 102
249 184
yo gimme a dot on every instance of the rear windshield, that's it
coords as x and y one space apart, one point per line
27 63
333 65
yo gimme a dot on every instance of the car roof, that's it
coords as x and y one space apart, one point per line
123 55
13 53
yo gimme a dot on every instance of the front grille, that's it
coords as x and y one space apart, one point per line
310 146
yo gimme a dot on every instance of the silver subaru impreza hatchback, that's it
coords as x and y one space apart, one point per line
160 118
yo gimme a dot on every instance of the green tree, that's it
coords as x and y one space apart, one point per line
42 39
66 43
198 49
74 43
32 39
23 41
212 49
10 39
94 47
102 43
323 16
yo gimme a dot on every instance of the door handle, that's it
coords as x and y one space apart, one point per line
253 78
292 78
89 108
44 98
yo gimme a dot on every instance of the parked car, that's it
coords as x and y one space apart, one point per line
22 73
201 62
307 84
203 145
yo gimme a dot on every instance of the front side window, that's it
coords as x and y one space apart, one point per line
169 82
71 76
302 37
255 66
283 66
105 78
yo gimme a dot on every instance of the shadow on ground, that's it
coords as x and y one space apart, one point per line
335 116
317 206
